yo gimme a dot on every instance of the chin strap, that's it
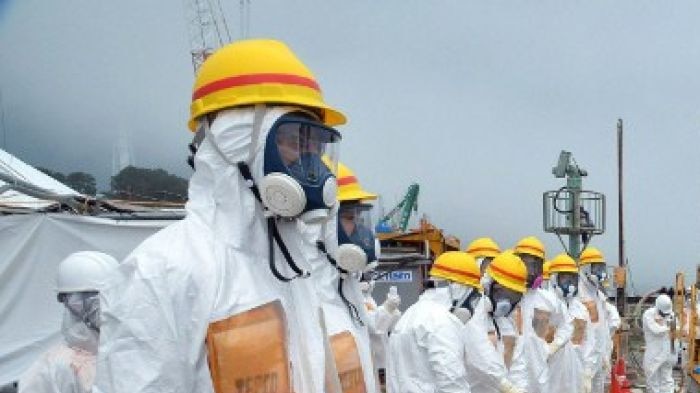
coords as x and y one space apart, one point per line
352 310
273 235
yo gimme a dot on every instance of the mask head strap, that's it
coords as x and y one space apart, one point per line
257 125
273 234
244 169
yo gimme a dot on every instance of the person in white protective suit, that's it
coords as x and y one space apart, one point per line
221 300
426 348
593 273
354 338
69 367
382 320
489 360
540 310
614 322
658 357
570 368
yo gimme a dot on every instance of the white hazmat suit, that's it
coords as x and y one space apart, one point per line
541 309
658 359
70 365
207 277
485 354
594 301
570 365
426 351
381 320
348 325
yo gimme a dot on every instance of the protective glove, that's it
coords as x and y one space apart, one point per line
606 365
552 348
669 319
587 381
507 387
391 304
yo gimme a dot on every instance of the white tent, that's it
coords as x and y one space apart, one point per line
32 246
13 166
34 241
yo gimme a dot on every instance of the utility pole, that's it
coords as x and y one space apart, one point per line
574 184
621 296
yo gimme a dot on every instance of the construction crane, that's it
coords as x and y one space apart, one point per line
398 217
208 28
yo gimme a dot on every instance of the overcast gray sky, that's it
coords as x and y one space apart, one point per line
473 100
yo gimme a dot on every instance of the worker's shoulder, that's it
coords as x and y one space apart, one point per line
649 312
545 300
432 315
177 247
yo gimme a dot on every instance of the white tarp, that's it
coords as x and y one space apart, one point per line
32 246
12 165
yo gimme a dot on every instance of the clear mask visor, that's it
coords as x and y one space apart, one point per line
534 267
356 219
501 293
307 149
84 305
599 269
566 279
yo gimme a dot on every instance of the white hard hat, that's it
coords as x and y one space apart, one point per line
84 271
663 304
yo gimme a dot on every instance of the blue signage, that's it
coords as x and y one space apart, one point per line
398 276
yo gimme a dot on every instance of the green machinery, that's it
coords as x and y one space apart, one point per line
397 219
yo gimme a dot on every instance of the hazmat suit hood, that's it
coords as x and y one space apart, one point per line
210 267
218 193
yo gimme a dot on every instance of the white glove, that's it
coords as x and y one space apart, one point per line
507 387
391 304
587 381
552 348
606 365
669 319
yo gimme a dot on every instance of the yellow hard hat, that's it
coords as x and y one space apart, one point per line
256 71
484 247
591 255
530 245
508 270
563 263
349 188
545 270
457 266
